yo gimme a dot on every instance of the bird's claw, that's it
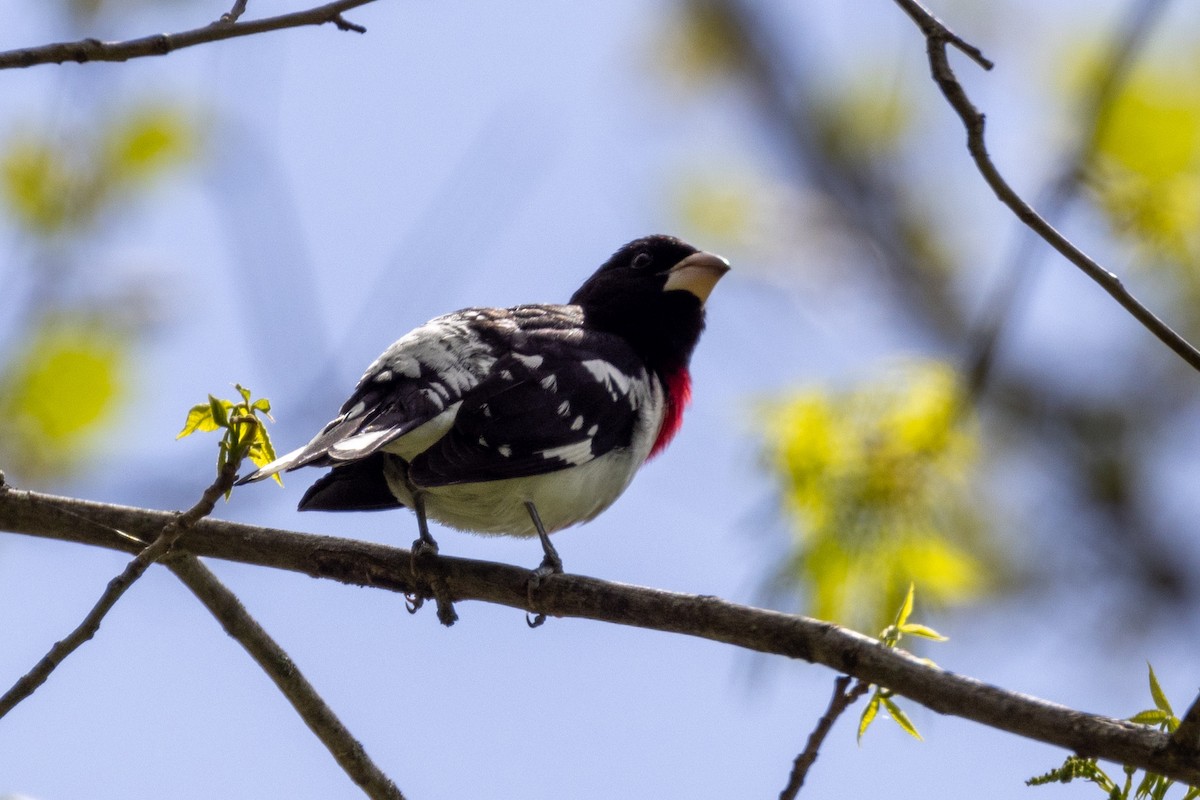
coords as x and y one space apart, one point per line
413 602
551 565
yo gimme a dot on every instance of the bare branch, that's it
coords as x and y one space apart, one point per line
1126 43
839 702
171 530
937 37
280 668
367 564
163 43
233 14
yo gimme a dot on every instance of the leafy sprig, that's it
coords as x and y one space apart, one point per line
1152 786
890 637
245 434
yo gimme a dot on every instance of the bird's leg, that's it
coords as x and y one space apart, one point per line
425 544
426 547
551 562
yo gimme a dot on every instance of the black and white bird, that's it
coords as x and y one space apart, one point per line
525 420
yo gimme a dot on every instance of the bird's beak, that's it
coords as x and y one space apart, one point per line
698 274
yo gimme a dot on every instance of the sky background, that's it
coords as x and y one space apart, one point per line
490 154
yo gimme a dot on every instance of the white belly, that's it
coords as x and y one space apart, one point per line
562 498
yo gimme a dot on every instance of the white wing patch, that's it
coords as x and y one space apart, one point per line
358 445
575 453
613 379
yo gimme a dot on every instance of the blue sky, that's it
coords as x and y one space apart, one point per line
468 154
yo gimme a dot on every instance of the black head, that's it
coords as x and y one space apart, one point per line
651 292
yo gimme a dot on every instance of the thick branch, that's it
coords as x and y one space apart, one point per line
162 43
367 564
938 37
280 668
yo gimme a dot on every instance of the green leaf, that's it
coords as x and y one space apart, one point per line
1153 716
1193 793
199 418
915 629
1160 698
906 607
868 715
901 718
264 405
219 415
244 392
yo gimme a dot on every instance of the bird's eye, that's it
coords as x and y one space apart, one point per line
641 260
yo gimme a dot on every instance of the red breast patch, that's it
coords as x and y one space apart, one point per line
679 394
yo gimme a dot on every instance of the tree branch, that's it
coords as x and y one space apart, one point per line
169 533
163 43
1126 44
937 37
367 564
280 668
838 703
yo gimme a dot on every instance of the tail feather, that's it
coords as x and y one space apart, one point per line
284 462
358 486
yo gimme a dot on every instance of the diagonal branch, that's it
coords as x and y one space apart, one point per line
937 37
1096 110
280 668
761 630
843 697
234 618
228 27
171 530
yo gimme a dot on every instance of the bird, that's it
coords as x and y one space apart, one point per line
521 421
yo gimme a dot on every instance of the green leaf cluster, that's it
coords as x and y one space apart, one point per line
245 434
890 637
1151 786
56 186
60 388
877 483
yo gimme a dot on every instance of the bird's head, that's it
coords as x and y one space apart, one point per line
652 293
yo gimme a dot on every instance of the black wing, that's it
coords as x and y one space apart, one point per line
553 406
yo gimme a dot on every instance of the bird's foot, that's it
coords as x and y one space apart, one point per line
551 565
422 550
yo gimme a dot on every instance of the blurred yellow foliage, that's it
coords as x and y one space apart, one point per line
701 44
866 118
54 186
1147 176
42 187
876 482
723 209
146 141
57 391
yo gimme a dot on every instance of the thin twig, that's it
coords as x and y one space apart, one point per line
1127 42
280 668
233 14
163 43
839 702
175 527
937 37
760 630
